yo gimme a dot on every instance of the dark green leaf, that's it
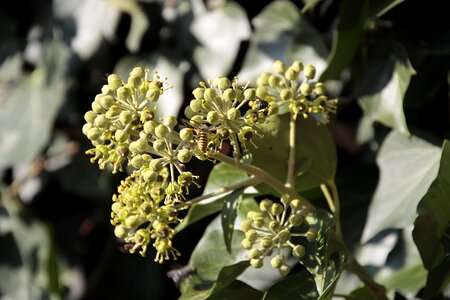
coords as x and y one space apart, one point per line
296 286
352 20
434 215
380 7
314 143
228 275
229 214
237 290
331 275
437 280
362 293
407 168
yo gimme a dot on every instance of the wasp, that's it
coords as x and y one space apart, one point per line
202 132
180 273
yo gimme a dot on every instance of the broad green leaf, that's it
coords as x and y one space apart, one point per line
229 274
296 286
347 38
407 168
434 215
405 279
237 290
438 279
281 33
220 32
332 273
386 105
314 143
30 106
223 175
229 214
363 293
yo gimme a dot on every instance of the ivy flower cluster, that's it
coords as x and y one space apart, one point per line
295 87
272 229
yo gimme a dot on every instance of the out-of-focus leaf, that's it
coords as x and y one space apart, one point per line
363 293
438 279
407 168
434 215
309 5
220 33
281 33
380 7
229 214
296 286
314 143
237 290
229 274
30 106
386 105
347 38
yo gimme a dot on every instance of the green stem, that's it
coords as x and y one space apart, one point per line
334 204
290 177
328 197
243 183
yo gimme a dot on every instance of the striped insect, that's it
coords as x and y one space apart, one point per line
202 134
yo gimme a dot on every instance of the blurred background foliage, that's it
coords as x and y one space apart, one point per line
387 61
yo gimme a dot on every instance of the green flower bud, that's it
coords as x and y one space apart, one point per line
125 117
246 244
106 90
196 105
139 146
101 121
284 236
121 136
90 116
197 119
263 79
286 94
296 219
86 128
284 270
149 127
159 145
251 235
285 199
297 66
306 88
298 251
296 204
279 67
320 88
137 162
265 205
156 165
250 93
107 101
276 209
233 113
223 133
113 112
311 235
212 117
256 263
310 71
123 92
222 83
261 92
274 81
274 225
97 107
120 231
132 221
137 72
153 95
229 95
266 242
161 131
149 175
254 253
134 81
184 156
94 134
246 225
291 74
170 121
186 178
114 82
116 207
273 108
198 93
210 94
276 262
186 134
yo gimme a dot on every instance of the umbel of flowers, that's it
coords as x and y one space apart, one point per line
126 131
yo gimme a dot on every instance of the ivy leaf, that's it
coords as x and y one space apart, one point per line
238 290
296 286
407 168
352 20
281 33
229 214
220 32
434 215
386 104
315 153
229 274
380 7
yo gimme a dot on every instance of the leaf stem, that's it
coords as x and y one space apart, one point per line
334 204
290 177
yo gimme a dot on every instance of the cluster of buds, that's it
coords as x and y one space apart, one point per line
223 111
273 229
295 87
123 128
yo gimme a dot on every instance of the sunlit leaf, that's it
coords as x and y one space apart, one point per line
434 215
314 143
229 274
380 7
347 37
296 286
281 33
229 214
407 168
220 32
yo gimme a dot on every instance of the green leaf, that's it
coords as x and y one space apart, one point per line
380 7
411 277
296 286
363 293
407 168
332 273
229 274
314 143
229 214
309 5
347 38
30 105
386 104
438 279
281 33
434 215
220 32
237 290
